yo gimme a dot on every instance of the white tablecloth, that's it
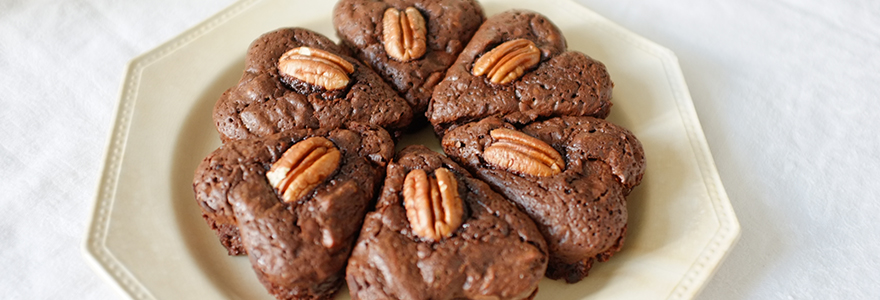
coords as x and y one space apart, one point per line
788 93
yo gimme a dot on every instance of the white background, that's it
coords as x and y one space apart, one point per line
788 93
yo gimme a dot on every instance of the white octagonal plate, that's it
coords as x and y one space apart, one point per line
148 237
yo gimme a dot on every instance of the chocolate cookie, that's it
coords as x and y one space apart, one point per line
294 202
569 174
286 86
410 43
438 233
524 73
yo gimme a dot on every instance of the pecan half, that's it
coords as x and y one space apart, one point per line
302 167
508 61
433 206
523 154
404 34
316 67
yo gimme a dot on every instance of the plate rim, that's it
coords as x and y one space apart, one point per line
729 230
93 248
103 262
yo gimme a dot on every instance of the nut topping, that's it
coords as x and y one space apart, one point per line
433 206
523 154
316 67
302 167
404 34
508 61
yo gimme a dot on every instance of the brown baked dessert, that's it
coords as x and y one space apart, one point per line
294 202
569 174
410 43
438 233
517 67
296 78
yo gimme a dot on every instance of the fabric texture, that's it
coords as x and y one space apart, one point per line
787 93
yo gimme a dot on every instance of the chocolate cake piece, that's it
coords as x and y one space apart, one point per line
525 74
285 86
410 43
294 202
479 246
569 174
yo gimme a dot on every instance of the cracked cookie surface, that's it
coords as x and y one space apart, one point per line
449 25
298 248
564 83
581 211
265 101
496 253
